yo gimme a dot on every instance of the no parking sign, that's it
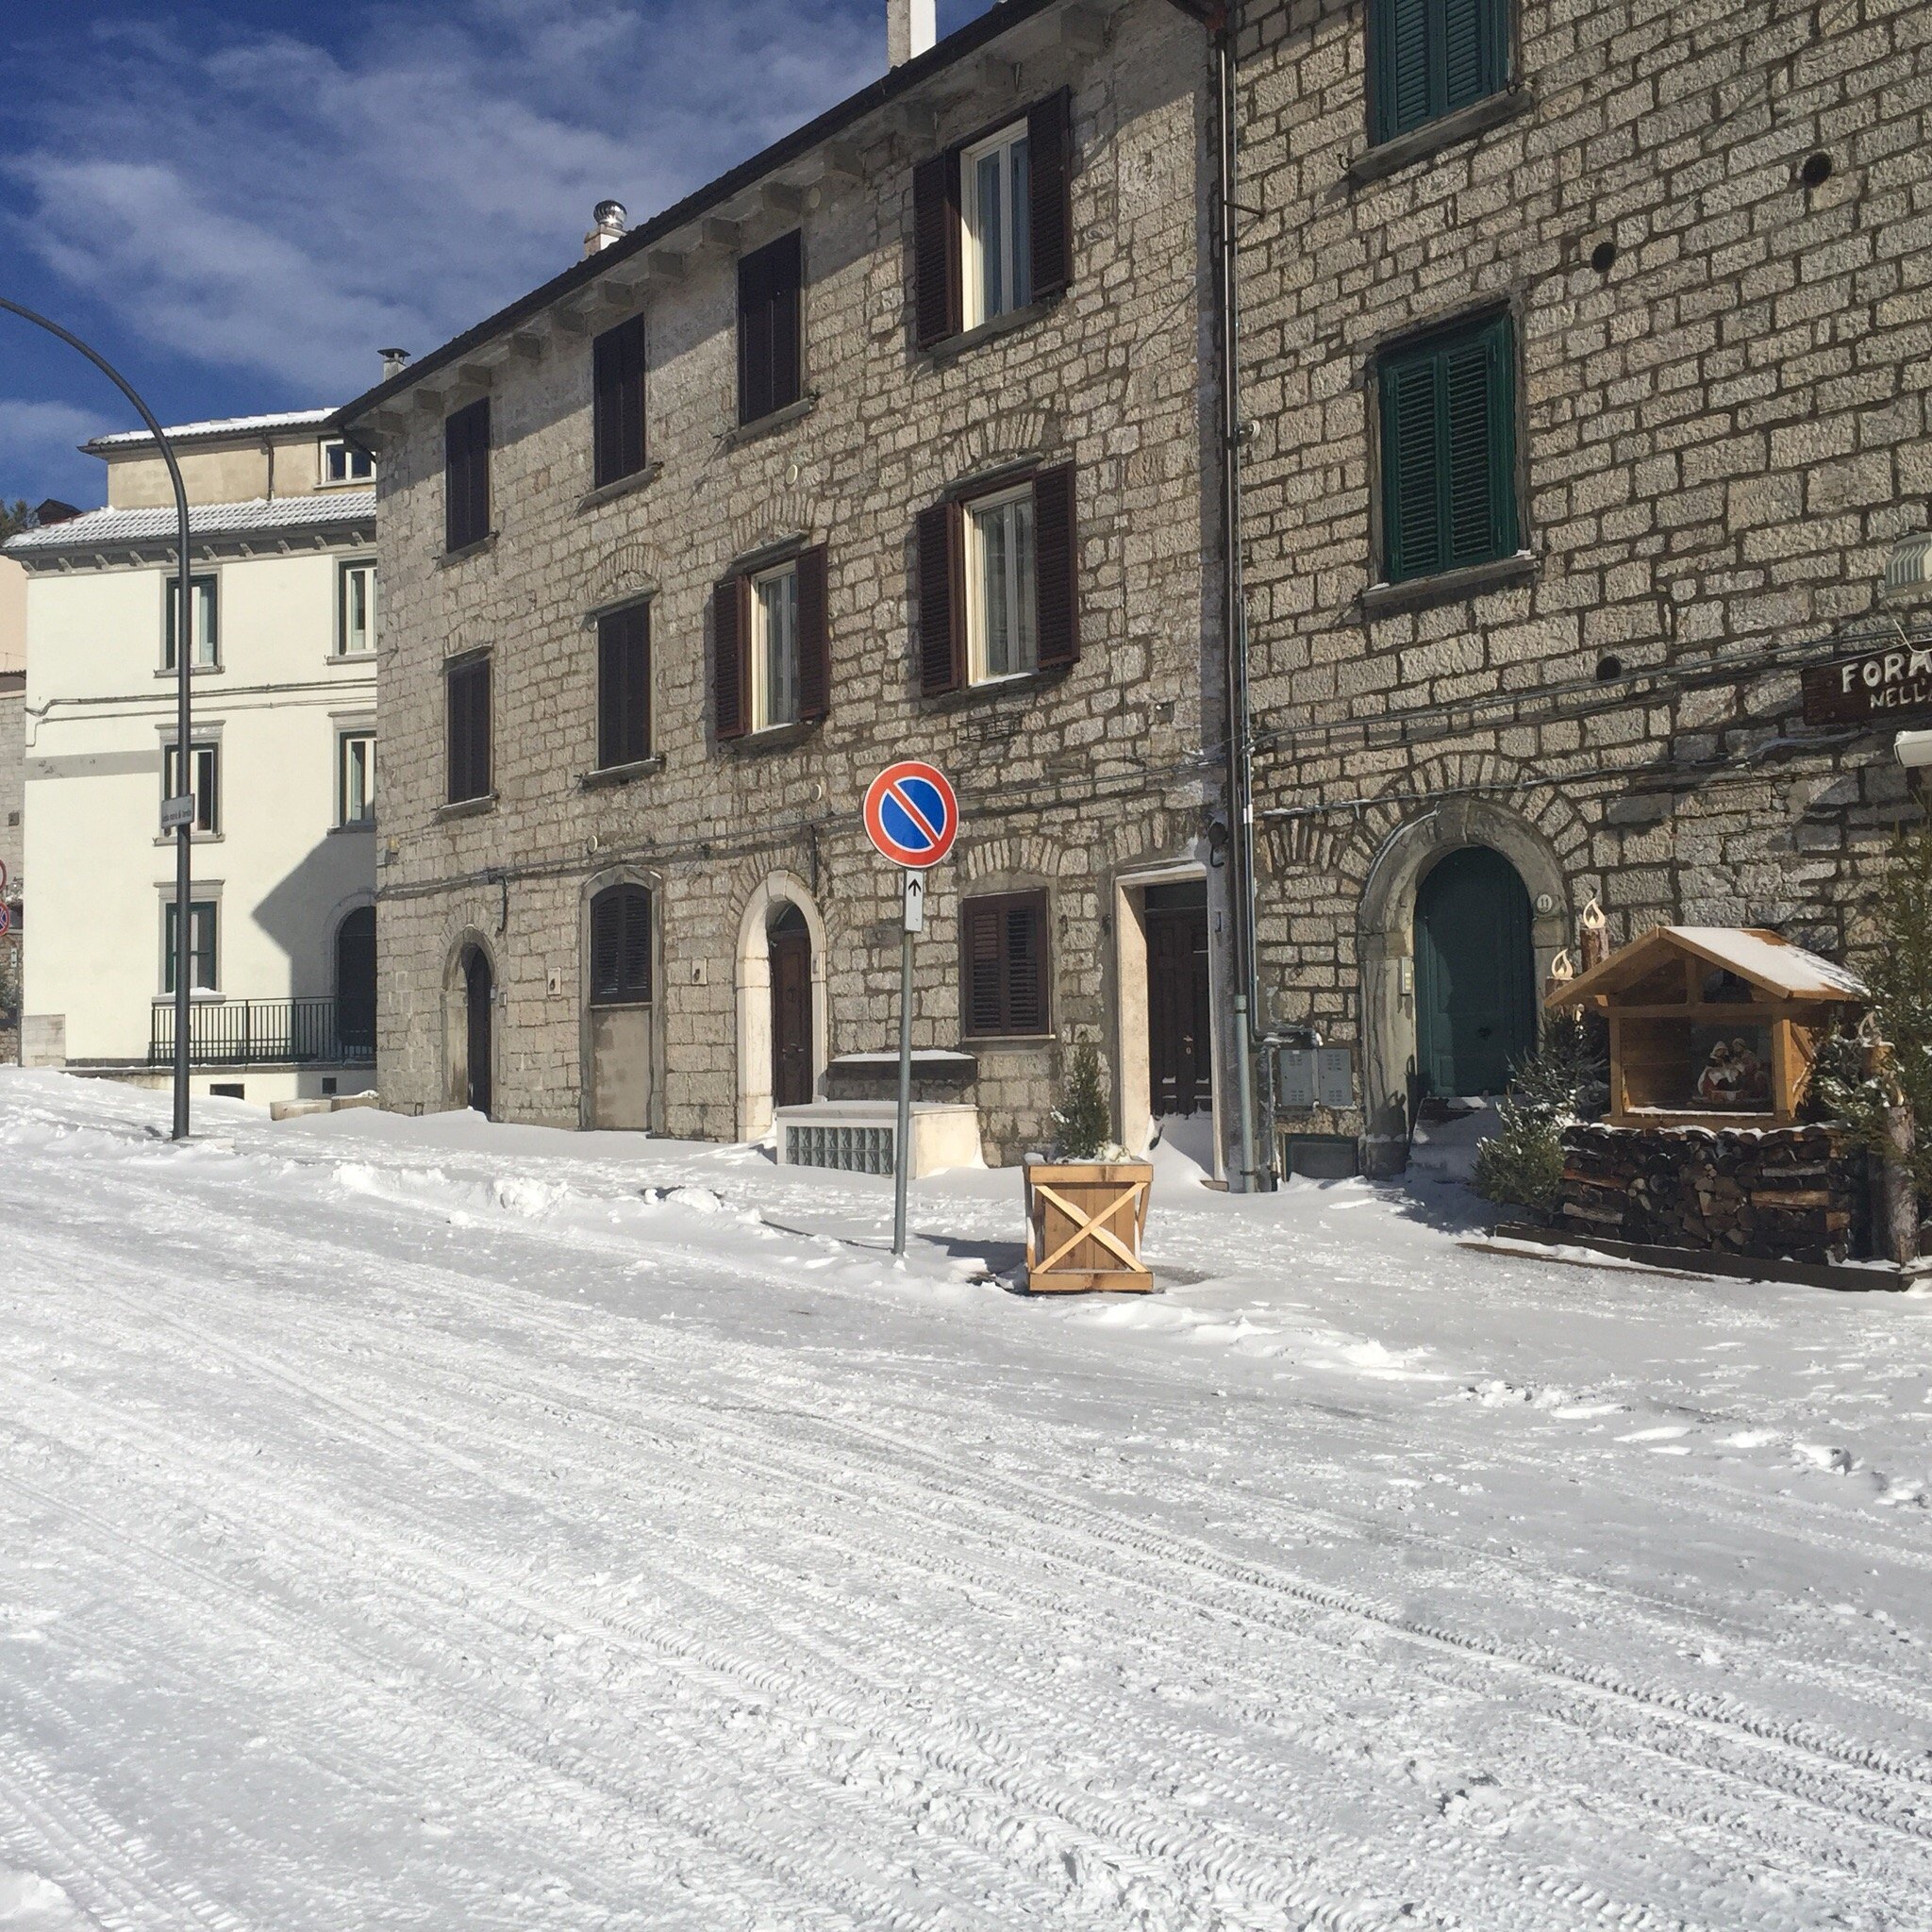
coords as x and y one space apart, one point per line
912 816
912 813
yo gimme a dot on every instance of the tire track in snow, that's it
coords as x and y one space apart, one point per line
256 1364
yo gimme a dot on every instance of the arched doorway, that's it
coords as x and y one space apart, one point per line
622 1063
1474 972
479 993
790 941
355 984
784 1030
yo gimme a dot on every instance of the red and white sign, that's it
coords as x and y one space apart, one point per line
911 814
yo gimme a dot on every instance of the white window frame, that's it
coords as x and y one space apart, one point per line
350 566
203 589
351 456
1015 250
344 739
767 713
1022 589
205 769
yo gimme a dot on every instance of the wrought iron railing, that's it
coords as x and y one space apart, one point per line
253 1033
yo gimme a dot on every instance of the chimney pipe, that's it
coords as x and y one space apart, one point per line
394 362
608 226
911 31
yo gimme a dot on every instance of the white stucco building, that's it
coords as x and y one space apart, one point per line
281 761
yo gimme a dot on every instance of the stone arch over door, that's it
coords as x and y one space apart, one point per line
630 1032
772 896
1386 944
470 962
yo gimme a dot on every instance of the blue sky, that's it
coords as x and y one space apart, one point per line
239 203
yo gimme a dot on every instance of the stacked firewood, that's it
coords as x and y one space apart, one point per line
1791 1193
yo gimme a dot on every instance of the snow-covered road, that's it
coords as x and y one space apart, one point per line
419 1523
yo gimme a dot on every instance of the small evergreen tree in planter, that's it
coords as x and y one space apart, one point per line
1080 1121
1086 1209
1560 1083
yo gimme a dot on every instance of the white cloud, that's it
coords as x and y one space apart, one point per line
38 449
274 205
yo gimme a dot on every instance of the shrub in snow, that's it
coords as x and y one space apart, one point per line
1560 1083
1080 1123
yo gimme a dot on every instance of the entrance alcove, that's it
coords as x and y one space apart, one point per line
783 1028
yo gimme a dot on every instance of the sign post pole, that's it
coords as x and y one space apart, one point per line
911 817
902 1163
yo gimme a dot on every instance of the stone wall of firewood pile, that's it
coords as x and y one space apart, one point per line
1796 1193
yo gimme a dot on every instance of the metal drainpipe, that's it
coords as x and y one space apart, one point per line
1250 1178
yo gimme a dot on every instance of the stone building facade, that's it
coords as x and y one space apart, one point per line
1086 785
1699 239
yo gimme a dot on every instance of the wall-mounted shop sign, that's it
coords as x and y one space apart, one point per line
1889 682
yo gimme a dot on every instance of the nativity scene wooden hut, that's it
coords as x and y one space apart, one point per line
1713 1025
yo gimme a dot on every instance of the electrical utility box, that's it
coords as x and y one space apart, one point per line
1306 1078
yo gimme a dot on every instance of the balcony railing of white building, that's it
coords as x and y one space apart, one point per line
254 1033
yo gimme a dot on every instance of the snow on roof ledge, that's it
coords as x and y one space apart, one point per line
211 430
1767 959
105 530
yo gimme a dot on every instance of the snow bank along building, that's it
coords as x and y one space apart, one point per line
892 441
1587 348
12 751
281 763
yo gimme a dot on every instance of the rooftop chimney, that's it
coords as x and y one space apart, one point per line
911 31
607 229
394 362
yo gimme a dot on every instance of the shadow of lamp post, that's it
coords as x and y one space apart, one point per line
184 655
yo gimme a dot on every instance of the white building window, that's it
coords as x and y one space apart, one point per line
355 608
206 630
996 200
356 778
343 462
1001 639
204 777
203 973
775 648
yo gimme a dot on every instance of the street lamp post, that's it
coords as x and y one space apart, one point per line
184 622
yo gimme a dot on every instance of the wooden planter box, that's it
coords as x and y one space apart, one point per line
1084 1223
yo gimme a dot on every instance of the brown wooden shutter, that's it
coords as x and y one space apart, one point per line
1025 962
607 945
937 296
466 475
814 643
1057 554
634 964
985 1007
1050 154
941 601
731 668
623 687
618 412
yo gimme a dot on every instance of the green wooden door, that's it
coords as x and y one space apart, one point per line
1475 973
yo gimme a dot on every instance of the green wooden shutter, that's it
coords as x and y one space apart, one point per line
1470 41
1449 452
1412 463
1427 57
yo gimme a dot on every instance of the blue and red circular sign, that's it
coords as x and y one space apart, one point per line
911 814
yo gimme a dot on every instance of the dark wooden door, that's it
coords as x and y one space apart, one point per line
1180 1060
480 987
791 1016
1475 973
355 984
